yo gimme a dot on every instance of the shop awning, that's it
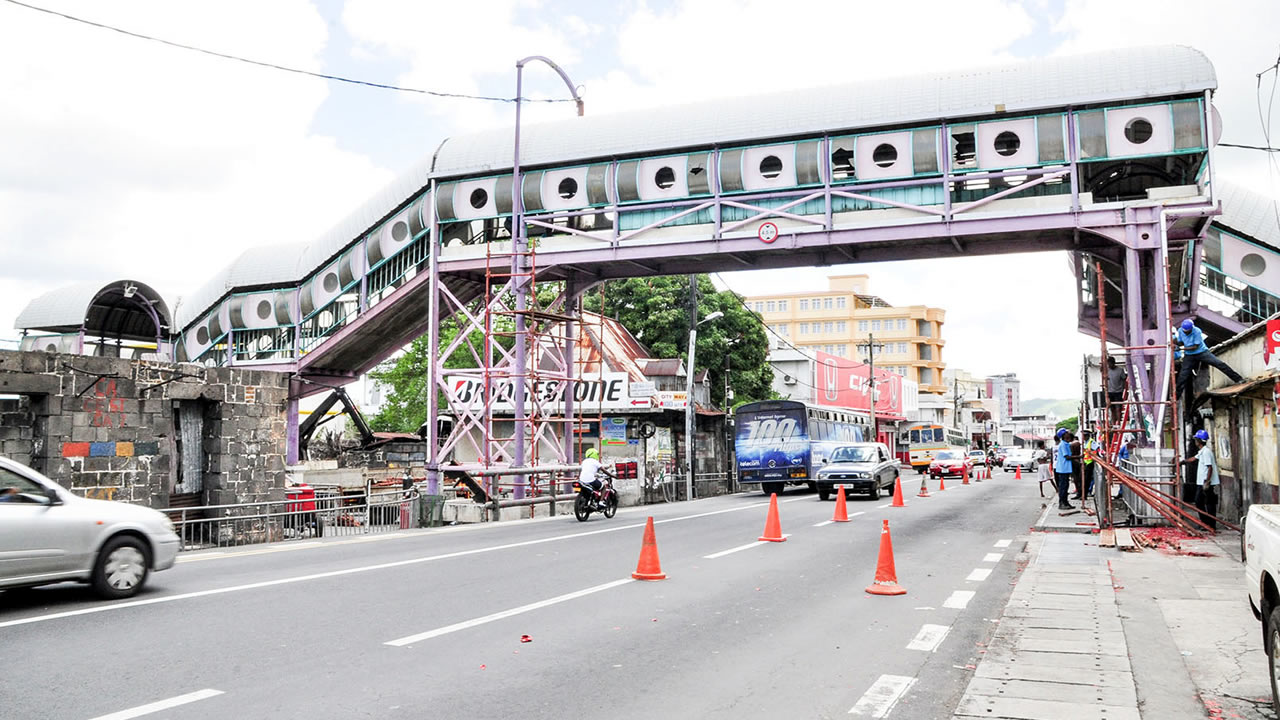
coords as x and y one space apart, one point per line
1253 383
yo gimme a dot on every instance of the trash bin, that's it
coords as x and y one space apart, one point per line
430 510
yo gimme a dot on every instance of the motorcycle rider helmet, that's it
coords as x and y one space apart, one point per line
592 453
1187 325
1202 435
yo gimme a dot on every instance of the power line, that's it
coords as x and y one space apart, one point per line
1266 130
1248 147
282 68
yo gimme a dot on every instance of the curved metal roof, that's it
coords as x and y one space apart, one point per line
1249 213
110 310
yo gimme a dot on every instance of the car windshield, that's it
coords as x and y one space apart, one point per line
854 454
945 455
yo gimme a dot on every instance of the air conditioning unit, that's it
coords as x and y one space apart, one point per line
272 308
328 284
788 380
391 238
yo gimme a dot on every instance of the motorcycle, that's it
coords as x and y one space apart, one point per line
604 500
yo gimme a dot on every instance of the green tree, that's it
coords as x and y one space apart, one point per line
1072 423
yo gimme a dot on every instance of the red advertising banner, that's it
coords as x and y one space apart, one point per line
842 382
1272 342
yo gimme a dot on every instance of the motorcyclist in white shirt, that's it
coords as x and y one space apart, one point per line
591 467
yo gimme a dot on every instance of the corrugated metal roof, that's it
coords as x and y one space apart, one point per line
1249 213
66 309
1110 75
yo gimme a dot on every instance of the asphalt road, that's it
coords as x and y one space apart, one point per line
429 623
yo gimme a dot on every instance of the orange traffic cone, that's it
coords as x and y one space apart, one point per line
1017 473
964 474
886 582
649 568
897 493
842 510
942 483
924 487
977 475
772 528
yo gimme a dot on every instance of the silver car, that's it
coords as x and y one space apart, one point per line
48 535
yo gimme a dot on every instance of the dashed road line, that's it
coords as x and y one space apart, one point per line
929 638
881 507
1003 543
159 705
882 696
959 599
860 512
992 557
979 574
824 522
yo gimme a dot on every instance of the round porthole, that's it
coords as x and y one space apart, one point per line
479 198
202 335
330 282
884 155
265 342
1007 143
664 178
400 230
770 167
1253 265
264 309
1137 131
51 348
567 188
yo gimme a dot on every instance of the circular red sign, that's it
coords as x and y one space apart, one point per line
768 232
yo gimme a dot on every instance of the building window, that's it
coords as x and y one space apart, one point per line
782 306
759 307
926 352
926 376
770 306
804 328
875 326
804 304
816 328
826 303
828 327
844 351
785 329
862 326
902 348
923 328
902 323
842 326
841 303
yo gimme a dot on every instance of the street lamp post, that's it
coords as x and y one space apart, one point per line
871 347
688 410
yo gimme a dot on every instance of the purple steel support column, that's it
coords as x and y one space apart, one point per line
1134 337
433 347
717 211
944 151
292 450
828 219
1073 159
570 386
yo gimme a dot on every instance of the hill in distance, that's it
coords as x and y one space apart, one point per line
1062 407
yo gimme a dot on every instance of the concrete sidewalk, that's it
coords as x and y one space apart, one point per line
1095 633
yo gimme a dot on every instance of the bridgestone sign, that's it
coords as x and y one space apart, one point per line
608 392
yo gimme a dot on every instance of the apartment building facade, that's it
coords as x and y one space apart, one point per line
840 320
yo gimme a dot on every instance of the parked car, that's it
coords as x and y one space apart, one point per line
49 535
950 462
860 467
1024 459
978 457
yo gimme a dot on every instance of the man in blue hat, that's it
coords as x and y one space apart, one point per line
1062 467
1195 353
1206 480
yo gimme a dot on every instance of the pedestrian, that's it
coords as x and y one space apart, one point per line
1195 353
1116 381
1044 470
1206 480
1062 468
1077 464
1126 450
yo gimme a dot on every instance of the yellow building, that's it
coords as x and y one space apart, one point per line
839 320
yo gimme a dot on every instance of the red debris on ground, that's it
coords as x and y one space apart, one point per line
1168 540
525 638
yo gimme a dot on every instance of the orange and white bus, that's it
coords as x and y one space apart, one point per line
918 442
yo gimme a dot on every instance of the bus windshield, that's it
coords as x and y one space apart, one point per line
854 454
772 442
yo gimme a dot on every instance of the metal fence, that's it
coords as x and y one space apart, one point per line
328 515
1155 471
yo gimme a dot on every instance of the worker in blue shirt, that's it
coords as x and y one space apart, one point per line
1194 353
1062 467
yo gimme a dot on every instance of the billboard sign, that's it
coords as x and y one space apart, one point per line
610 391
846 383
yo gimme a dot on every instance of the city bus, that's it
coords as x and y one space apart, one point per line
782 442
919 441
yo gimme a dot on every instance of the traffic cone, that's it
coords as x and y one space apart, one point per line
942 483
924 488
977 475
1017 473
886 582
842 510
897 493
649 568
772 528
964 475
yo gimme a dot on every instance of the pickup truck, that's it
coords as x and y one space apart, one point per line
859 467
1261 551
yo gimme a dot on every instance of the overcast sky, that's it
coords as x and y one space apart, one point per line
125 158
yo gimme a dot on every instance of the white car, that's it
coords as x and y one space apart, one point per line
48 535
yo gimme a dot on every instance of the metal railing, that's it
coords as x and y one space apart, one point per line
1239 300
328 515
1154 471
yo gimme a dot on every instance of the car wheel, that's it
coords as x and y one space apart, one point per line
824 492
875 490
1273 663
122 567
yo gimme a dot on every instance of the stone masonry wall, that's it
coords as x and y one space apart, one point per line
105 427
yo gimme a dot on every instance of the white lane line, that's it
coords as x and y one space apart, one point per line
1002 543
979 574
883 695
958 600
929 638
860 512
881 507
748 546
992 557
351 571
409 640
824 522
160 705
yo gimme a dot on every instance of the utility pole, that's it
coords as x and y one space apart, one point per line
871 363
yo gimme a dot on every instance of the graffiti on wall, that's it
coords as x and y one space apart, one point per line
105 407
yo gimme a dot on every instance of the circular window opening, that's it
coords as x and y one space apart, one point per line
884 155
771 167
331 282
567 188
400 231
202 335
1137 131
1007 143
479 198
51 348
1253 265
264 309
265 342
665 178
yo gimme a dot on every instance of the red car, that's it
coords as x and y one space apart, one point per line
950 462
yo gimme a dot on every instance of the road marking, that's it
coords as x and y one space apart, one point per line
748 546
881 507
409 640
351 571
1002 543
958 599
992 557
929 638
160 705
824 522
979 574
860 512
883 695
